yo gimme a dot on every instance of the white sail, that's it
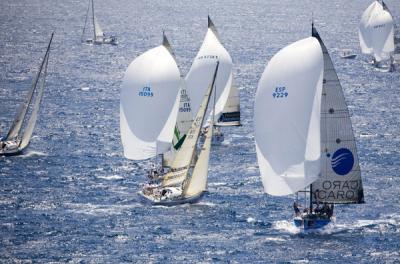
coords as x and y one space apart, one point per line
184 156
149 93
231 113
98 32
376 32
197 183
364 31
287 118
32 120
201 71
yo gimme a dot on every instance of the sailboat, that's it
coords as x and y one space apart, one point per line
17 139
376 34
230 115
201 73
303 132
98 35
186 180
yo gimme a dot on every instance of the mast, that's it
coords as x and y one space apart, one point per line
94 25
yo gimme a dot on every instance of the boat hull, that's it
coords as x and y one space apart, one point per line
311 224
172 201
353 56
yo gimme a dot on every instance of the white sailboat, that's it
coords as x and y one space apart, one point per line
303 132
18 137
376 34
201 73
186 180
98 35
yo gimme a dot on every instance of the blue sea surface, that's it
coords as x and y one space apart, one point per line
72 197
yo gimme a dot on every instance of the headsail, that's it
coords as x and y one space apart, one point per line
32 120
376 32
149 103
287 118
231 113
184 119
184 156
340 180
20 117
201 72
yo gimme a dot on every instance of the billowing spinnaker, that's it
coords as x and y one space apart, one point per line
148 95
364 33
382 34
287 118
201 72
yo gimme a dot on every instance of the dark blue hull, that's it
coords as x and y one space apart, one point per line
311 223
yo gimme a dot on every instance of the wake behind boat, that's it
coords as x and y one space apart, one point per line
303 132
20 133
99 37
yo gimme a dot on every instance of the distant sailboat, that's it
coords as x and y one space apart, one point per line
303 132
186 180
98 35
201 72
17 140
347 54
376 34
231 113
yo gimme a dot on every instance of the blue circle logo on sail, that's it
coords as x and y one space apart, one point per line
342 161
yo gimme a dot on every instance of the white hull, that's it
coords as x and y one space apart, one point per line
174 198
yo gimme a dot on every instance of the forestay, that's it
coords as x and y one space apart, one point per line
287 118
340 180
201 71
149 103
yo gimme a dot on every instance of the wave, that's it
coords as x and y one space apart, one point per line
32 153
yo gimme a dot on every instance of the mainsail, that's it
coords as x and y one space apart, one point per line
376 32
231 113
201 71
16 126
149 103
287 118
181 164
340 180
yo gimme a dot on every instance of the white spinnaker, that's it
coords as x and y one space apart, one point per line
364 33
197 183
202 69
287 118
149 93
382 33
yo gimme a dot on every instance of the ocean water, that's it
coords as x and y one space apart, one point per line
72 197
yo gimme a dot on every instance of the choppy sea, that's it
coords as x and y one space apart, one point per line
72 197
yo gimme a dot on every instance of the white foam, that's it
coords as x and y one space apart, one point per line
110 177
33 153
85 88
